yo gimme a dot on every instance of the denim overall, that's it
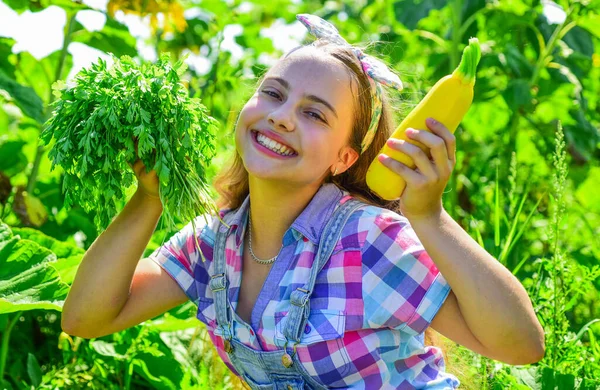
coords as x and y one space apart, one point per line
274 370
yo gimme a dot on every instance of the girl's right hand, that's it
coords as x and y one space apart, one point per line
147 181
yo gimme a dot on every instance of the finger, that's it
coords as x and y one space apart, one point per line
442 131
418 156
138 167
437 147
409 175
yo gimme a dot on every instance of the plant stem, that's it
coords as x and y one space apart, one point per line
555 294
452 194
57 76
5 341
558 33
484 374
128 373
467 23
456 22
543 59
6 209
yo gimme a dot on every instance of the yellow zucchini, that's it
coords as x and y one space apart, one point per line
447 102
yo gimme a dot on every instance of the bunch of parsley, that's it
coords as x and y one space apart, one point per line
97 121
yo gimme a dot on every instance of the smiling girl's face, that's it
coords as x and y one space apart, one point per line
296 126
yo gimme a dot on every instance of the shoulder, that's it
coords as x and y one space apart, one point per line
385 239
368 222
203 228
208 227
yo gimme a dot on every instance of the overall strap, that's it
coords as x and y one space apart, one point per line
218 282
300 298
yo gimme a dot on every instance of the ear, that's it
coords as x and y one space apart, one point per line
348 156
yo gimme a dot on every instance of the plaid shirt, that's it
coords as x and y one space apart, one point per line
370 306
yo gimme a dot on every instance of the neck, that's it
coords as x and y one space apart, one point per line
274 207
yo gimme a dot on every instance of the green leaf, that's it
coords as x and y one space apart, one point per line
163 372
517 63
591 23
35 6
584 135
59 248
586 191
69 5
145 115
169 323
554 380
113 38
106 349
410 12
545 378
527 376
18 5
34 370
6 67
41 74
27 279
518 94
580 40
67 268
13 159
24 97
163 171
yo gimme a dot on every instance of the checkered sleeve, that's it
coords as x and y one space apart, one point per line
402 287
180 258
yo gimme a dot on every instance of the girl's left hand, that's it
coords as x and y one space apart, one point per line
422 196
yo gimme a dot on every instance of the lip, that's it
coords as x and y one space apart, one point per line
267 151
275 137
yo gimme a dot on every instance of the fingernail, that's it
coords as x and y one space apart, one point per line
432 121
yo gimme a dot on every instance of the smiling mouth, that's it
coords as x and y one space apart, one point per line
289 151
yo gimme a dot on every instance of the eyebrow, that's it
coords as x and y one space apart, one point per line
314 98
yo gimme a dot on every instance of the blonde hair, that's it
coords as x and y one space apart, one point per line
231 183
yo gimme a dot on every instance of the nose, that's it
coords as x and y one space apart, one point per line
282 117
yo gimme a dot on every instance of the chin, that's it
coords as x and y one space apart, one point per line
265 173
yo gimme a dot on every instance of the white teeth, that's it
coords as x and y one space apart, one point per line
273 145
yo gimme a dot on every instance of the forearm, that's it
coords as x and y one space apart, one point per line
493 302
101 285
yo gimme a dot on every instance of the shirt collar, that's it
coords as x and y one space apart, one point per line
311 221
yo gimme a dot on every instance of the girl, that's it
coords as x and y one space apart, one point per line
314 281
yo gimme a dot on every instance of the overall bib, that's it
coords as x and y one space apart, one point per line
281 369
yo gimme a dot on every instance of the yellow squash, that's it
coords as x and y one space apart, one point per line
447 102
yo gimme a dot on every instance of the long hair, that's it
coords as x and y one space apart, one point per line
231 183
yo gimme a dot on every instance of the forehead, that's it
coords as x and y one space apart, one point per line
312 71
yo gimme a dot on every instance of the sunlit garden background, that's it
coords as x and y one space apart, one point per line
525 186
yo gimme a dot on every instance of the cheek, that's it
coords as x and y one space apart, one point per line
323 150
244 120
251 110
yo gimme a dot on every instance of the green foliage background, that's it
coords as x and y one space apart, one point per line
525 185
